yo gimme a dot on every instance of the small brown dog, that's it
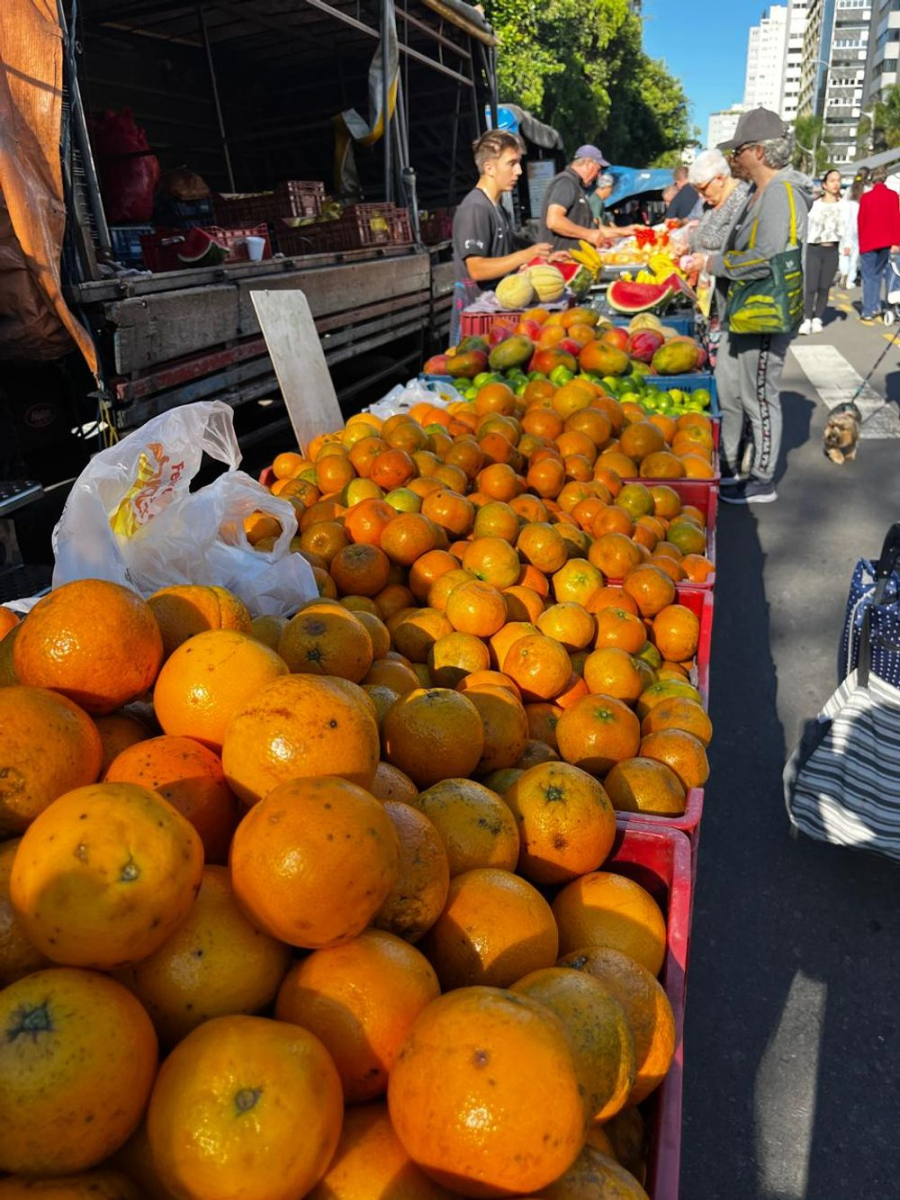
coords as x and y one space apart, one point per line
841 433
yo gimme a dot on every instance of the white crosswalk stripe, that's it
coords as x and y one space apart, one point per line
837 381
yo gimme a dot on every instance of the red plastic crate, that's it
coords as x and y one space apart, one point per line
701 602
688 823
481 324
159 250
660 861
293 198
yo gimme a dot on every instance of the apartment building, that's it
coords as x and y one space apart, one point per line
884 51
793 66
833 70
766 52
722 125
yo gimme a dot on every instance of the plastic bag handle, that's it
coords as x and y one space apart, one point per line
890 553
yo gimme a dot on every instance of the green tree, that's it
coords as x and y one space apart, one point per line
879 128
579 65
812 146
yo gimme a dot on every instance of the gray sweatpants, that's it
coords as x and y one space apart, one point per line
748 378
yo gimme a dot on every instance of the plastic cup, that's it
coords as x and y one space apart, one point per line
255 247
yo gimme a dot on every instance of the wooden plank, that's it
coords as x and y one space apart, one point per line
159 328
286 320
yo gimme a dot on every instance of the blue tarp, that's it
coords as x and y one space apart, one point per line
630 181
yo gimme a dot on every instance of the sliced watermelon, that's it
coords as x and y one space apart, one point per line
627 297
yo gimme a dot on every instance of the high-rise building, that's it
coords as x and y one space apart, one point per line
722 125
793 64
835 52
766 50
884 51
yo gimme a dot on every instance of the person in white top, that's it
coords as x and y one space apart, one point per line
823 238
849 249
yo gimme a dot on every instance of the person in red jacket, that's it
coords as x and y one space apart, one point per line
879 237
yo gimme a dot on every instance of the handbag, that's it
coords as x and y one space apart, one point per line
875 589
773 304
842 783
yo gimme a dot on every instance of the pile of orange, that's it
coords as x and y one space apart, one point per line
413 780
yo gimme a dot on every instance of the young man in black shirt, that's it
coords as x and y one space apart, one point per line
566 216
484 241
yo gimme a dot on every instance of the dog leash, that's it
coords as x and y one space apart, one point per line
875 366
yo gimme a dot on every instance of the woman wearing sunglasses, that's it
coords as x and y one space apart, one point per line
760 260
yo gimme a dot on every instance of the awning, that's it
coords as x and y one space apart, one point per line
517 120
630 181
886 158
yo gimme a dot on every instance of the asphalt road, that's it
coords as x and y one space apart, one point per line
792 1041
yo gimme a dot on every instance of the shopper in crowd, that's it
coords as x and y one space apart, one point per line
598 198
485 245
686 203
878 223
566 216
848 258
724 196
823 237
749 365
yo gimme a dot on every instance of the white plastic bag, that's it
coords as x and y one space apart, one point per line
132 519
403 397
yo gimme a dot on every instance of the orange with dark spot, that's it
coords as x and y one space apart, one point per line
360 570
418 897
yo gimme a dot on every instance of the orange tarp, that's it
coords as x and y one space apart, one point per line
35 321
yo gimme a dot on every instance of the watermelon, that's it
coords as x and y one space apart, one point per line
627 297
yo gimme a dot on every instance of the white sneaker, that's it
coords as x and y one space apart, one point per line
816 325
806 327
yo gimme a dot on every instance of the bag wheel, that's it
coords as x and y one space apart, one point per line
887 318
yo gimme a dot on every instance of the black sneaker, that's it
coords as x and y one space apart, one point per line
729 478
751 491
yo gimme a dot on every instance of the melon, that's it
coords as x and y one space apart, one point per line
628 297
514 292
549 283
646 320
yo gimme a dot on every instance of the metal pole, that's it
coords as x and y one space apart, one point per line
215 91
454 142
385 101
495 96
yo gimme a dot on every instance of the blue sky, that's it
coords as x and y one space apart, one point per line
705 44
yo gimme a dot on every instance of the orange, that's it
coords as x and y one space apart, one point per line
49 746
536 752
698 568
456 655
611 596
505 638
215 963
408 537
678 713
475 826
664 689
597 1025
493 561
627 1135
538 665
577 581
613 552
606 910
477 608
676 632
327 642
643 785
96 642
208 679
542 721
414 631
451 511
9 619
360 1000
391 784
7 671
92 1185
105 874
489 678
541 546
18 956
445 584
268 629
568 623
662 465
183 611
377 630
498 520
566 822
684 753
324 538
334 471
230 1067
291 846
641 438
427 569
191 779
636 499
418 897
78 1058
433 734
646 1006
487 1052
597 732
365 522
494 929
618 627
360 570
118 731
505 727
593 1174
370 1161
300 726
614 672
687 538
386 672
650 588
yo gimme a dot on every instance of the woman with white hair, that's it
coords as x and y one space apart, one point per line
771 223
711 177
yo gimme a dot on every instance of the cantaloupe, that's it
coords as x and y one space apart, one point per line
514 292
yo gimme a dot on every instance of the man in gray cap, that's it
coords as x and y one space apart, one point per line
749 365
566 215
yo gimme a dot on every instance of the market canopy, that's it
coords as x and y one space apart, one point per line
630 181
517 120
